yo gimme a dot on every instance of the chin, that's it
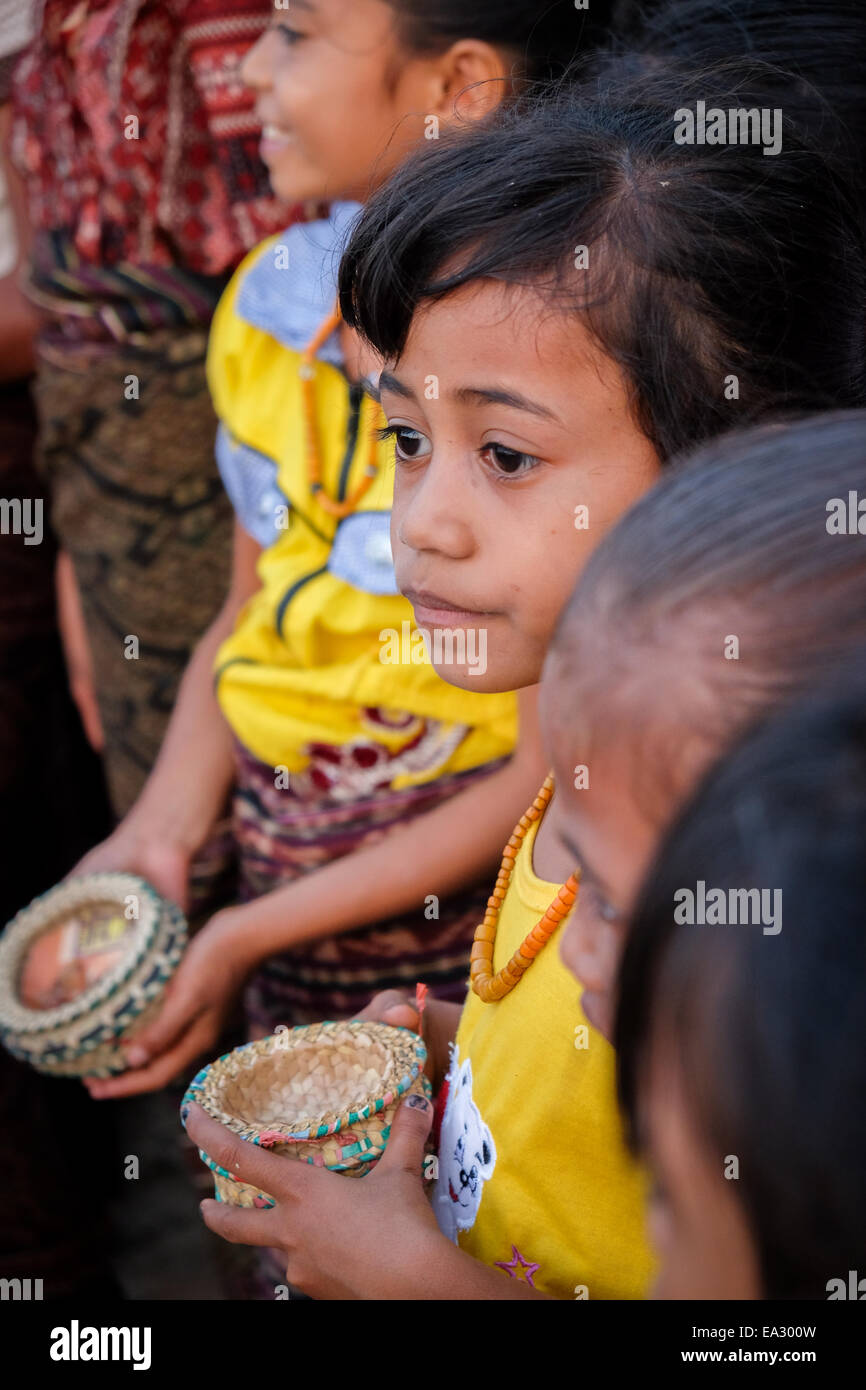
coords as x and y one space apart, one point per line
465 678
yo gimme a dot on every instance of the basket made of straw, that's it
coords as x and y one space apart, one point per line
86 1035
325 1094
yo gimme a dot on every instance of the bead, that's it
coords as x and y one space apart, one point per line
489 987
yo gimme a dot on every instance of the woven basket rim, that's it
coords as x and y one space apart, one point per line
406 1049
39 916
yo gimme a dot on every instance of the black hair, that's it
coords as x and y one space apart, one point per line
545 34
767 1032
815 51
728 285
730 571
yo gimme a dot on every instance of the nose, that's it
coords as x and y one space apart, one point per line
257 66
433 509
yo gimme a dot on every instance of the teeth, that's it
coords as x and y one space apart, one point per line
273 132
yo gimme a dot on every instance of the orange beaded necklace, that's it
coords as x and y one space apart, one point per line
307 373
486 985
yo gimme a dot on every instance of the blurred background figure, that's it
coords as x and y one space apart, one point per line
138 146
140 190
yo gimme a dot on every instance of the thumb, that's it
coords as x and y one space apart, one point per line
178 1012
409 1133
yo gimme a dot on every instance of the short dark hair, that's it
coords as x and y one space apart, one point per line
814 51
706 262
768 1032
547 34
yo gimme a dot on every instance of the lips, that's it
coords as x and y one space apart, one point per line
432 610
274 138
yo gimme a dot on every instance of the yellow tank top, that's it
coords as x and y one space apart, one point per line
534 1176
311 660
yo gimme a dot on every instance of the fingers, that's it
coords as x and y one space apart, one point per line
281 1178
392 1006
405 1148
239 1225
160 1071
179 1012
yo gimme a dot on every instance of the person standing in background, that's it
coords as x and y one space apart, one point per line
138 147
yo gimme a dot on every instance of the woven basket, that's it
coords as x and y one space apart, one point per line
325 1094
85 1035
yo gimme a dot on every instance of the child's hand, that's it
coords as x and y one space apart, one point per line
197 1002
134 851
438 1027
372 1238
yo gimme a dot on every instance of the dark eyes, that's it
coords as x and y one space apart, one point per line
408 444
411 444
510 461
597 904
290 35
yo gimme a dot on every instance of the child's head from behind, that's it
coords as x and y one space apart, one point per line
563 299
742 1051
723 594
347 87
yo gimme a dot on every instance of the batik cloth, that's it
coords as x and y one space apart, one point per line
139 507
136 136
284 831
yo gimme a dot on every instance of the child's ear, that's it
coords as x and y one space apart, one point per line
472 79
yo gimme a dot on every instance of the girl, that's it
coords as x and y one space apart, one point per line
765 597
565 376
770 1065
345 763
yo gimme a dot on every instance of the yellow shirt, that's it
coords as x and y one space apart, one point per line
311 660
534 1176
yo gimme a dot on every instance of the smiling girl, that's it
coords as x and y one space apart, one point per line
353 777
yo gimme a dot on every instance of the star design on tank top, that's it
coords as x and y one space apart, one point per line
518 1268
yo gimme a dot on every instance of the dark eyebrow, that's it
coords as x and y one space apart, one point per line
585 872
487 395
481 395
388 382
371 389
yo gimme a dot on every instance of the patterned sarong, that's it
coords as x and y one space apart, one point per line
284 833
139 506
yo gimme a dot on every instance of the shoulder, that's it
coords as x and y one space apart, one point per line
289 285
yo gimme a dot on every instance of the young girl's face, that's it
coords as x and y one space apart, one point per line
515 450
342 102
610 813
697 1224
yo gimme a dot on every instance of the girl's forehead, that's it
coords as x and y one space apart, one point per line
520 328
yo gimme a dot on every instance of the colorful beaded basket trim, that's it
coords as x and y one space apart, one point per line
84 1036
325 1094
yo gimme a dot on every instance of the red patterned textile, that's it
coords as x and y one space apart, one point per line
136 136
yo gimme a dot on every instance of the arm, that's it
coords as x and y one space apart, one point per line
434 853
326 1226
191 777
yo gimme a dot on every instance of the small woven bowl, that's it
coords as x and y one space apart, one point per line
325 1094
120 943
